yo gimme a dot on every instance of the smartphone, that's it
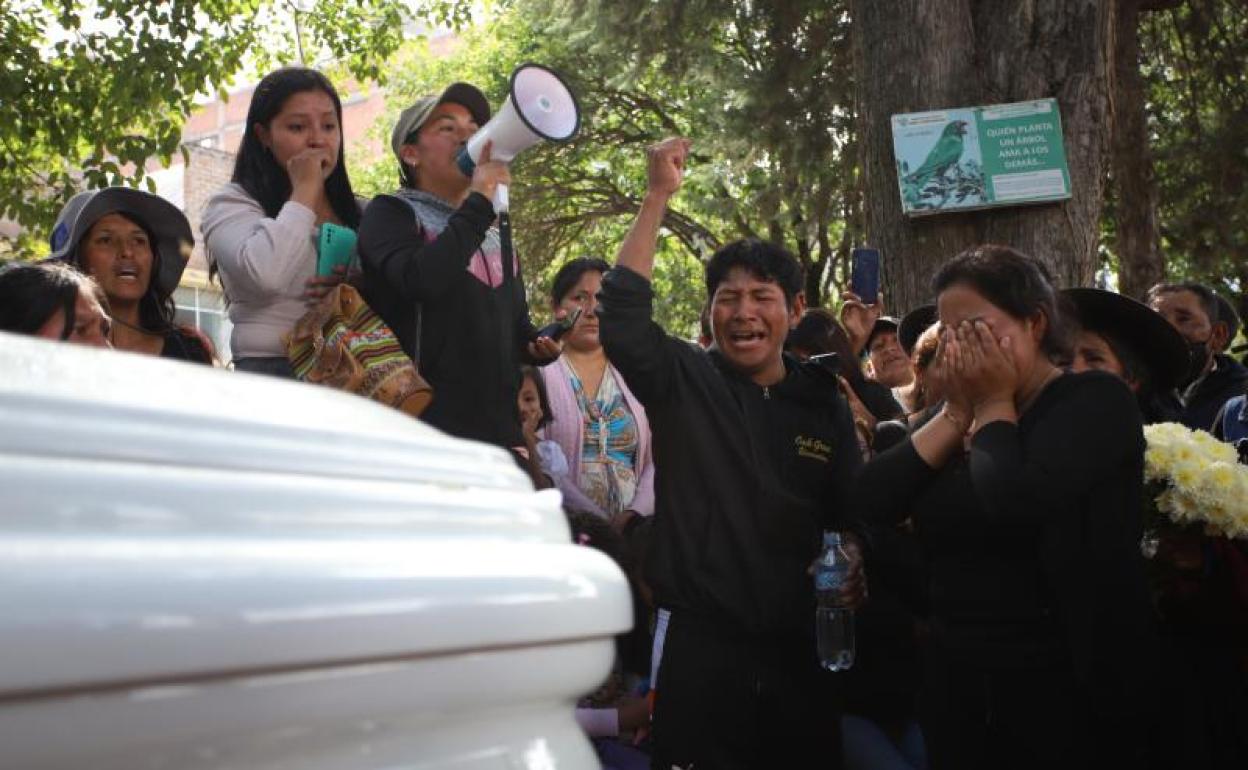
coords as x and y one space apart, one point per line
828 362
865 274
826 365
558 328
335 245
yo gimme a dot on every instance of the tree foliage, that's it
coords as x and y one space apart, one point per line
1193 64
770 107
763 90
92 91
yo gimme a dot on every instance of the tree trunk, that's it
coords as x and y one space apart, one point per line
1140 261
916 55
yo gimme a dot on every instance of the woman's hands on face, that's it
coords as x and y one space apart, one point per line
957 406
308 171
983 370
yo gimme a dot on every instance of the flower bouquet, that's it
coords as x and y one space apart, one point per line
1193 480
1196 534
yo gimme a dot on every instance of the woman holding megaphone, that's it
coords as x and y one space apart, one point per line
434 269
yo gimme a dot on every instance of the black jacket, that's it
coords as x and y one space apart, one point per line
473 335
1204 398
1033 539
747 477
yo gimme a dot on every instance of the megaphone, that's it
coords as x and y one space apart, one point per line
539 107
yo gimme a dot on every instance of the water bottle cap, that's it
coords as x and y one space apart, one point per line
831 538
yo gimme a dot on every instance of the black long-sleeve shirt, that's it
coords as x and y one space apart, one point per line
473 334
746 476
1033 538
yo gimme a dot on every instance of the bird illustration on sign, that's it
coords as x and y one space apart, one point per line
942 175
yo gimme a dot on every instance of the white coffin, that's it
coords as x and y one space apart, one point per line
209 569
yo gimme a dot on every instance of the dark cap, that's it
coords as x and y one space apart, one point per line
913 324
412 118
882 324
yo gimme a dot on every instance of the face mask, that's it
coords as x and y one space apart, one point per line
1199 354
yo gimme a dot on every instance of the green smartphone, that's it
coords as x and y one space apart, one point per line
335 245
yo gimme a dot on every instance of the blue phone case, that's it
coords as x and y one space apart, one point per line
335 245
865 275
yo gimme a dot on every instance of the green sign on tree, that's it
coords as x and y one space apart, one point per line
980 157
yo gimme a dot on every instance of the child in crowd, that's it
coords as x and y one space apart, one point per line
545 460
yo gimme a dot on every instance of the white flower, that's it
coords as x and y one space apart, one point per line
1204 482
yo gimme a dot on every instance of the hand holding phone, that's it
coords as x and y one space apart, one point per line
865 274
335 246
557 329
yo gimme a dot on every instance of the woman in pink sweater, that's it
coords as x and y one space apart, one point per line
599 425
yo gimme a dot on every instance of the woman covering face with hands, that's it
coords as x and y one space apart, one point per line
1025 492
261 228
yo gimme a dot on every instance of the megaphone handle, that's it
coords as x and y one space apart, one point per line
501 200
508 251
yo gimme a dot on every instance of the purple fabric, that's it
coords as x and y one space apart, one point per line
566 429
617 756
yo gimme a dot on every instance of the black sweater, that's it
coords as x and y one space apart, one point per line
1033 539
473 335
747 477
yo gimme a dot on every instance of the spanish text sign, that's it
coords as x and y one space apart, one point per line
980 157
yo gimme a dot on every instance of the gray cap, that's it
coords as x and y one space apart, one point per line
167 224
415 116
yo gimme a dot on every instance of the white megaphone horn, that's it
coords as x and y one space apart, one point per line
539 107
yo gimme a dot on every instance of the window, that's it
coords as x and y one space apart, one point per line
205 310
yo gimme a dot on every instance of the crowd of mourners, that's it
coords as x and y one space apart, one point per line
982 455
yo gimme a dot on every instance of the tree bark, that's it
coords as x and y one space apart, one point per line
1140 260
915 55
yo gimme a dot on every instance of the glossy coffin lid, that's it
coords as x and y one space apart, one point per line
164 523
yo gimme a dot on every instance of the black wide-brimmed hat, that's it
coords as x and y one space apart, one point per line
1150 336
913 324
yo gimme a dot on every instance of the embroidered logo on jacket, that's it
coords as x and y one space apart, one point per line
813 448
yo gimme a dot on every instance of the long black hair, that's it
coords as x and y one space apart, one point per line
30 294
257 171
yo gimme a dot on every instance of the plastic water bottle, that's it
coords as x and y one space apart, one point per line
834 623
